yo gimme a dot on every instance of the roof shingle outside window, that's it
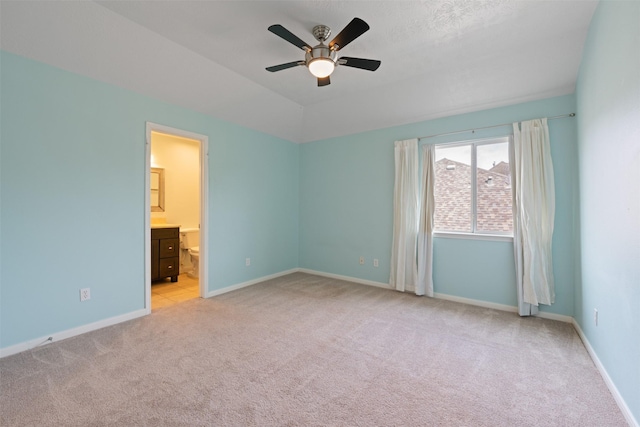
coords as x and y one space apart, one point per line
453 197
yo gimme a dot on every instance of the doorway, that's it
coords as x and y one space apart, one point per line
176 205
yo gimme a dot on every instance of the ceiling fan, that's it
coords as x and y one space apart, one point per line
321 59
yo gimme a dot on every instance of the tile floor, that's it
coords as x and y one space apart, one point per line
165 293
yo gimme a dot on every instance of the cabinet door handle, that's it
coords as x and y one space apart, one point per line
170 247
169 267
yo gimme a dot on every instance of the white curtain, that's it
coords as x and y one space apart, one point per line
404 270
533 214
425 233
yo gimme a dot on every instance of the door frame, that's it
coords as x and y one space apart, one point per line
203 273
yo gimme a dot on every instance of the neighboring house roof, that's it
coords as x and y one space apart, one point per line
501 168
453 197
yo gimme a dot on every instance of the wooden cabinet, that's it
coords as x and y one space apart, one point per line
165 253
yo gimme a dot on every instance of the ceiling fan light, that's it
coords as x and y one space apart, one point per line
321 67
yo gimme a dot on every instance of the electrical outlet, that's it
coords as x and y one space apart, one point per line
85 294
595 316
247 262
361 260
375 262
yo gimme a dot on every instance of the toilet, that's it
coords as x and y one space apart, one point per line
190 251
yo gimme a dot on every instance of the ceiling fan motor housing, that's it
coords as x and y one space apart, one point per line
320 51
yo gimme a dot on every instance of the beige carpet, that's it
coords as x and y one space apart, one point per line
304 350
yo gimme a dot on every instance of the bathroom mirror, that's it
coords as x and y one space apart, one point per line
157 190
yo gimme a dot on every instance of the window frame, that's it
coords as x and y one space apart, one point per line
475 233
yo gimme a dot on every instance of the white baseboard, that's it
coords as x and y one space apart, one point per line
502 307
249 283
476 302
59 336
554 316
345 278
626 412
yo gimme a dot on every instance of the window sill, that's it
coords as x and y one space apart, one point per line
473 236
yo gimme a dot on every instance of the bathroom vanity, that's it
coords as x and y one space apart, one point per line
165 252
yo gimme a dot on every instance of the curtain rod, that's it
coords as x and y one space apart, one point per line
473 130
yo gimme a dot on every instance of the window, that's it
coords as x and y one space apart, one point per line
483 208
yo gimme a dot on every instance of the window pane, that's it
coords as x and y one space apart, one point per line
494 212
453 189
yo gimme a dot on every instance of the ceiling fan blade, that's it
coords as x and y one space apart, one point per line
364 64
352 31
280 67
325 81
281 31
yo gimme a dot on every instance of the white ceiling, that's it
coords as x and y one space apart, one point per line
439 57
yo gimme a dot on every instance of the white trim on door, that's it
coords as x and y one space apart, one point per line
204 206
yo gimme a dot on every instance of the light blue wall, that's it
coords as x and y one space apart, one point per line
346 208
72 184
608 101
